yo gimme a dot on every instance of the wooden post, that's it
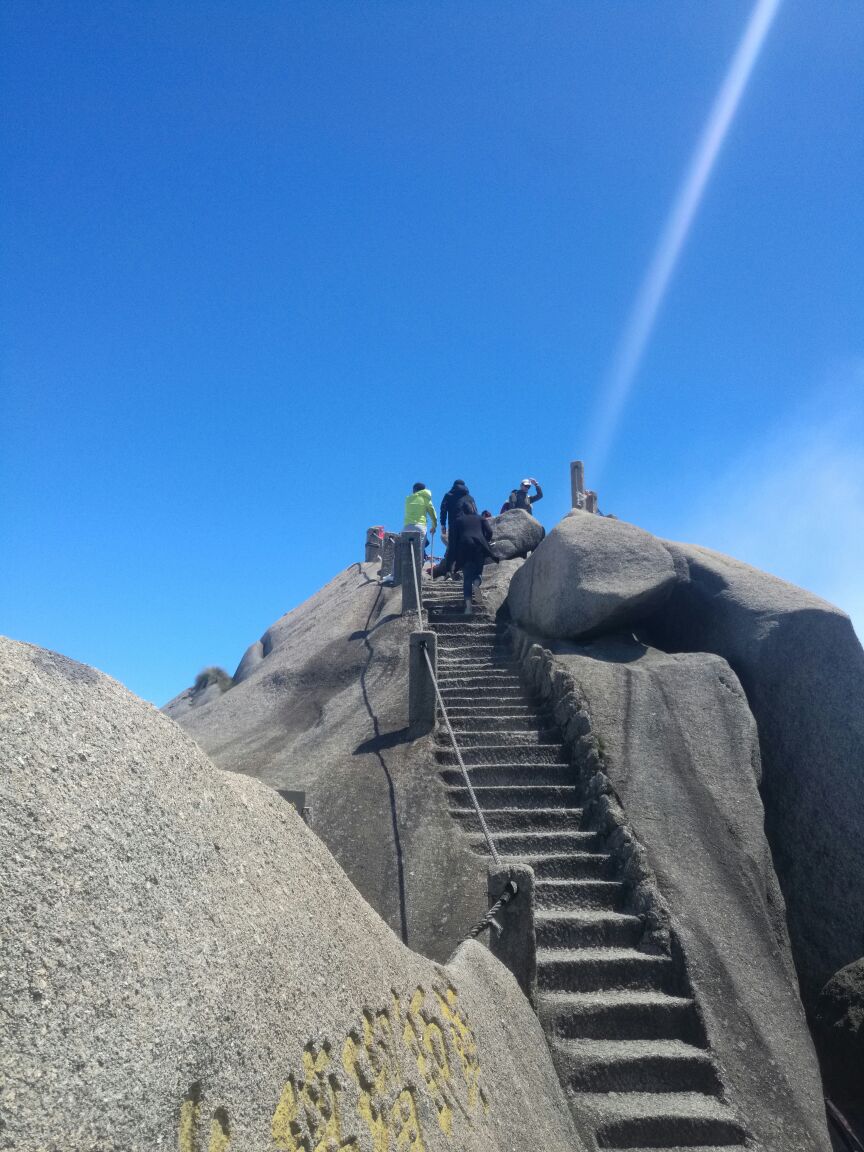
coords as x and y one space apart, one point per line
577 484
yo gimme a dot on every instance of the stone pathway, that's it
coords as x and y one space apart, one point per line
622 1024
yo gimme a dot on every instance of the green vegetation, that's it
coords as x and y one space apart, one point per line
210 676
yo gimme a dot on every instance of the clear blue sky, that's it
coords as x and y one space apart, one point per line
266 264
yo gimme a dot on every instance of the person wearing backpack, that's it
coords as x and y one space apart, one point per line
519 497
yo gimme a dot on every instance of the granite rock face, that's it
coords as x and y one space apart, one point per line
802 668
839 1018
677 741
496 583
516 533
590 575
184 964
320 704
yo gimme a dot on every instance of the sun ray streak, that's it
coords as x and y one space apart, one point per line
643 317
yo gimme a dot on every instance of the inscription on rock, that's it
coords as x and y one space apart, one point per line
404 1067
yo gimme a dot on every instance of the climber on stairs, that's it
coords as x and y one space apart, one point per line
468 549
417 507
456 503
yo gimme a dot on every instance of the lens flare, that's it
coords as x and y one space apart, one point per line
640 324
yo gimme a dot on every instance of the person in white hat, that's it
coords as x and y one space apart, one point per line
520 497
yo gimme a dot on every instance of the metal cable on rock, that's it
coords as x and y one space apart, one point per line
511 889
490 842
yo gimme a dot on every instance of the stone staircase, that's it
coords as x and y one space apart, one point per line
622 1024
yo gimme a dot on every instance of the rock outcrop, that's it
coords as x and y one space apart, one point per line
673 736
320 705
184 964
839 1019
496 583
516 533
802 667
591 574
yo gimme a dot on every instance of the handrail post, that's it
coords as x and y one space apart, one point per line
409 552
421 686
516 944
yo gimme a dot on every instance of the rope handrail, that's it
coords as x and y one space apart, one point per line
483 825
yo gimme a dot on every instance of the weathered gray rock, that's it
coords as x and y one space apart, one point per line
677 741
516 533
839 1020
496 583
324 708
590 574
802 668
185 966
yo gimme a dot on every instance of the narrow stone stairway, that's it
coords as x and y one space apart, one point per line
622 1025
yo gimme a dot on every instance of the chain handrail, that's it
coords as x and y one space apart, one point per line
483 825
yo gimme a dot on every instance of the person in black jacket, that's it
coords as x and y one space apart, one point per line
469 549
456 502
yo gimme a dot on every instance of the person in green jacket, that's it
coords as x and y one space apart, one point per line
417 507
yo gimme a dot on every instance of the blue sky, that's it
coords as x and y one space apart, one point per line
267 264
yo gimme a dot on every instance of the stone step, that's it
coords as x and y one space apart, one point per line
480 733
510 774
519 797
572 865
493 679
537 843
446 657
635 1066
469 628
564 894
511 709
514 753
482 645
509 683
476 653
480 696
587 928
604 970
492 683
659 1119
495 691
478 677
619 1015
511 820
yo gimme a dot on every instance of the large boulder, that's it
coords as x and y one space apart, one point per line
185 965
320 705
679 746
496 583
802 667
516 533
591 574
839 1021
